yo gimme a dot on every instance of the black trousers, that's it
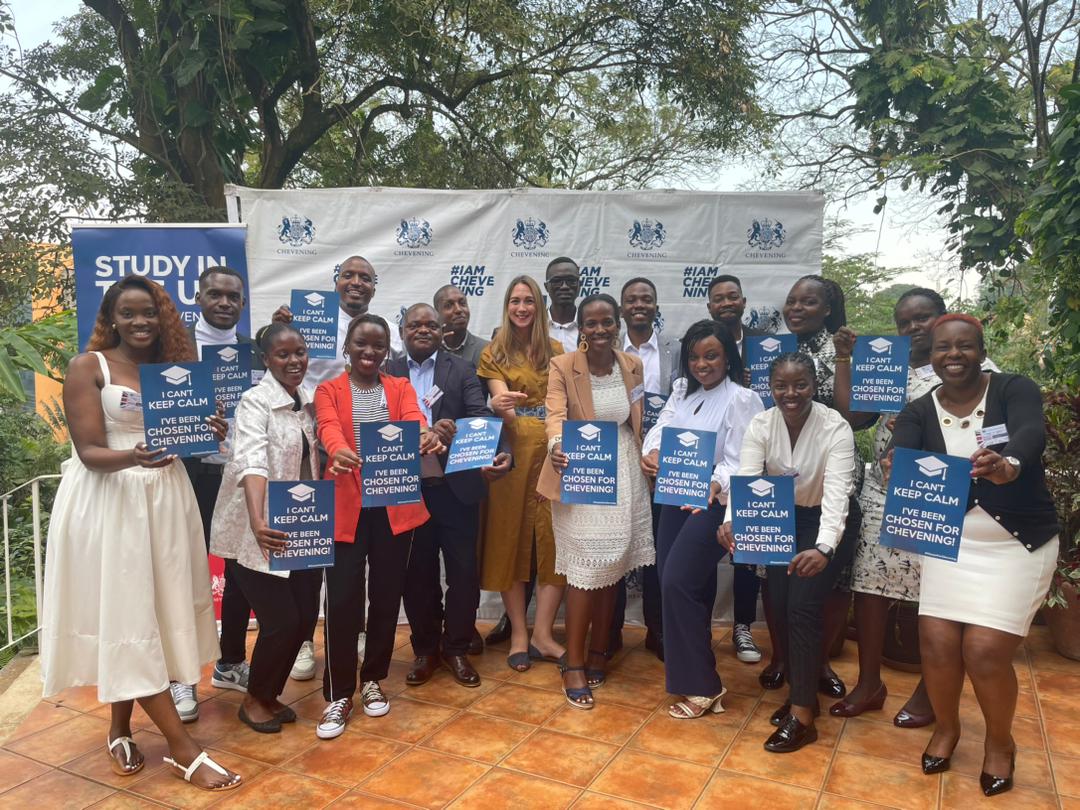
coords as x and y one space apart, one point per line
797 602
746 585
283 606
452 530
235 608
687 554
388 556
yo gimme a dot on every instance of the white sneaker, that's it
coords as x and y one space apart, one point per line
231 676
186 701
376 704
745 648
334 718
304 666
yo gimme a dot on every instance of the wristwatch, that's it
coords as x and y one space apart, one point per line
828 551
1014 461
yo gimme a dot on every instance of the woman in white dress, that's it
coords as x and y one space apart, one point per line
596 546
127 602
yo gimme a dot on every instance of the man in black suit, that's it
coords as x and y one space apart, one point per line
727 304
447 389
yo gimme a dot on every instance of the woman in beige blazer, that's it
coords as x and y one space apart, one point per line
595 546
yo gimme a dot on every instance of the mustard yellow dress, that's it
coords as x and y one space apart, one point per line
514 522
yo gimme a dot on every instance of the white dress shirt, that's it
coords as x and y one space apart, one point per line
321 369
649 352
422 377
822 462
565 333
726 409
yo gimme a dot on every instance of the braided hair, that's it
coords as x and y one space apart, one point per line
834 295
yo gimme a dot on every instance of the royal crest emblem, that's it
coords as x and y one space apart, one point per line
531 233
764 234
296 231
646 234
414 233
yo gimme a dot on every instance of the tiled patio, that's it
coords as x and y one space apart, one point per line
514 742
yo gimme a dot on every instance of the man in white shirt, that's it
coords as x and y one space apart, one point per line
563 283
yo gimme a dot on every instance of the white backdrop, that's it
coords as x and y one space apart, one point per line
481 239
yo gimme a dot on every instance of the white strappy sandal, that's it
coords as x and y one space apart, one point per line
202 759
128 744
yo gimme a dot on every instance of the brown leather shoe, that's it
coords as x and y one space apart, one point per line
462 670
423 668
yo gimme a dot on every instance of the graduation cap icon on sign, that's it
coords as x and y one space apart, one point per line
478 424
176 375
301 492
688 439
656 402
761 487
390 432
228 354
589 432
932 467
315 299
881 345
770 345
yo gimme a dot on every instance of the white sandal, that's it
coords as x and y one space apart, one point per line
118 769
695 706
202 759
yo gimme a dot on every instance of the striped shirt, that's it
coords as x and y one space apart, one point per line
368 405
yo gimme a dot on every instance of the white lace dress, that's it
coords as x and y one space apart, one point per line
596 546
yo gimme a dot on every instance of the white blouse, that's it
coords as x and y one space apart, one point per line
822 462
727 409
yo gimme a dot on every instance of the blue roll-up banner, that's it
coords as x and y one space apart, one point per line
591 476
686 466
172 255
761 350
177 398
475 444
304 510
879 373
762 511
390 472
926 503
315 315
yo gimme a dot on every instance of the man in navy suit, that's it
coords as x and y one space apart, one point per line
447 389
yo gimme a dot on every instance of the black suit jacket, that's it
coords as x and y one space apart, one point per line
463 396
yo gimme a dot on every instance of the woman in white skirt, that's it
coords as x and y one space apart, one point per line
974 613
127 603
596 546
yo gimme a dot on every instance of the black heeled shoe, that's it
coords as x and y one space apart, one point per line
932 764
993 785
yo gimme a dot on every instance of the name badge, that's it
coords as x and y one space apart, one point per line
924 372
993 435
433 396
636 393
130 401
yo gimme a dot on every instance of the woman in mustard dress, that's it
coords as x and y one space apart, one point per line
517 525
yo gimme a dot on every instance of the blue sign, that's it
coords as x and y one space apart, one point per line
304 510
390 468
761 350
592 474
174 256
654 403
315 315
926 503
762 512
176 399
686 465
475 445
230 373
879 372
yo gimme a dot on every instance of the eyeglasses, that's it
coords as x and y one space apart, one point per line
563 281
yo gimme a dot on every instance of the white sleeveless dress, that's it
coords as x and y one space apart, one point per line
127 602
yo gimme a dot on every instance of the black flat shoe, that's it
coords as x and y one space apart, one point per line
271 726
781 714
993 785
791 736
832 686
906 719
286 715
771 678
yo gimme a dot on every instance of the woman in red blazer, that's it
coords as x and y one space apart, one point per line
379 537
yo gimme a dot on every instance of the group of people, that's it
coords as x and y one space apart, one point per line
127 602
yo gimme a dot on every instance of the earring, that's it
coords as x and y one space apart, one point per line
583 346
114 327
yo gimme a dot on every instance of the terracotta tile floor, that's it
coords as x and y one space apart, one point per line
515 743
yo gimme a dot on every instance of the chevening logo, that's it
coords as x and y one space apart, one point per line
656 402
176 375
414 233
390 433
314 299
301 493
770 345
764 234
531 234
761 488
646 234
688 439
881 345
296 231
932 467
478 424
589 432
228 354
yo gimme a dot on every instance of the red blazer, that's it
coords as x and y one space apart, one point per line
333 412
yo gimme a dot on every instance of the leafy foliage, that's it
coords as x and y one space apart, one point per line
1062 461
45 346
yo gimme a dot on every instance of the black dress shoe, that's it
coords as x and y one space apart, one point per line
832 686
993 785
771 677
476 645
462 670
781 714
791 736
423 667
500 632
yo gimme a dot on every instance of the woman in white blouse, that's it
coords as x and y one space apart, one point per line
274 439
813 443
706 397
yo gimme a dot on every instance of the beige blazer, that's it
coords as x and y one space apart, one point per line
569 396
